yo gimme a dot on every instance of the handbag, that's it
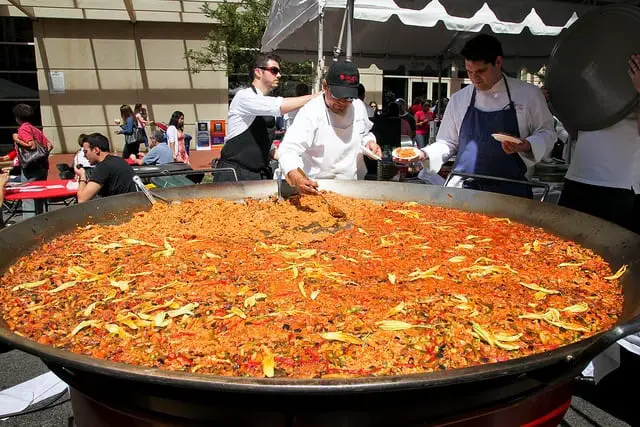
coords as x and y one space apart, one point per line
33 157
136 137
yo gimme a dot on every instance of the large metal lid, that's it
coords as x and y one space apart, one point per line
587 73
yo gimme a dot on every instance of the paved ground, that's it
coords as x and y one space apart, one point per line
16 367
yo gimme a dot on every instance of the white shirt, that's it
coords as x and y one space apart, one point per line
608 157
246 106
325 144
534 120
81 159
172 138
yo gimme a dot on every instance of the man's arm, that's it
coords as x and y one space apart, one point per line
290 104
543 134
151 158
248 103
297 140
86 190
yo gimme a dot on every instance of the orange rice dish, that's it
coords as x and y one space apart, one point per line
283 289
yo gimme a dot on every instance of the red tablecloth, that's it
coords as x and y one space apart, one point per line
51 189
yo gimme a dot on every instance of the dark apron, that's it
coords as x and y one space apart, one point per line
247 153
479 153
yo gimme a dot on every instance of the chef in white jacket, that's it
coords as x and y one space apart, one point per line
493 104
330 134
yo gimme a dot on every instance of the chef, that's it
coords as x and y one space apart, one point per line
330 135
251 113
493 104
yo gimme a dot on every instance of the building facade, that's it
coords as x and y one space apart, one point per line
77 61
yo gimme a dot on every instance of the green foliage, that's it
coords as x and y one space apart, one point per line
236 37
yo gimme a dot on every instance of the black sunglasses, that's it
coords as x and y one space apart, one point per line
273 70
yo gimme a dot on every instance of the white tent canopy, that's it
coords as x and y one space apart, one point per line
421 32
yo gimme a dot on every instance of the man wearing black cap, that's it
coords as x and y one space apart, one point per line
330 134
251 113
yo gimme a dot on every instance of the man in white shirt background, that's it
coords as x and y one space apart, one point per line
493 104
604 175
330 134
247 143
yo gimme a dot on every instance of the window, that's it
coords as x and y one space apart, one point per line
18 77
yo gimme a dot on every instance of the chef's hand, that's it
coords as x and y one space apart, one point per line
634 70
421 157
512 148
302 183
374 148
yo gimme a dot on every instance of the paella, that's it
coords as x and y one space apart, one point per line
269 288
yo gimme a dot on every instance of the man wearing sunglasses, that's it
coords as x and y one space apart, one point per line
330 134
251 114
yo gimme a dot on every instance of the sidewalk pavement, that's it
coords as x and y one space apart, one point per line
198 159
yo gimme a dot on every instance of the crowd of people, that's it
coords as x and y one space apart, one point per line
328 134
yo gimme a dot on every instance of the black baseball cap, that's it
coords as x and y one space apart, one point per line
343 79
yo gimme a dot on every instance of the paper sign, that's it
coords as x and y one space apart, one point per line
56 82
20 397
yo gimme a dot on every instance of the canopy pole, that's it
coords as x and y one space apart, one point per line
320 65
439 103
350 6
337 50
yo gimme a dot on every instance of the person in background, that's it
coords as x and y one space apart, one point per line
80 158
373 105
141 122
110 176
4 178
362 93
603 179
493 104
423 118
128 127
416 106
176 137
27 137
251 114
160 153
329 134
408 128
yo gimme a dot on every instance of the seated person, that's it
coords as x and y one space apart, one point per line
80 158
13 171
160 153
111 175
4 177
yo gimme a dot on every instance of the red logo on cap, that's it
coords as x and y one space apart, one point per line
348 79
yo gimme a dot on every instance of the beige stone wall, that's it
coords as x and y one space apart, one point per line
109 63
371 78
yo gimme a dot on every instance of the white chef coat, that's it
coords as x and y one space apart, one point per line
534 120
608 157
325 144
246 106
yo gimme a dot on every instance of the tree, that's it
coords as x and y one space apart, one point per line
236 38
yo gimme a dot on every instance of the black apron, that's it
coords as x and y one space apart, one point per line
248 153
479 153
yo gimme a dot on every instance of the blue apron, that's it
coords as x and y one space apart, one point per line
479 153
